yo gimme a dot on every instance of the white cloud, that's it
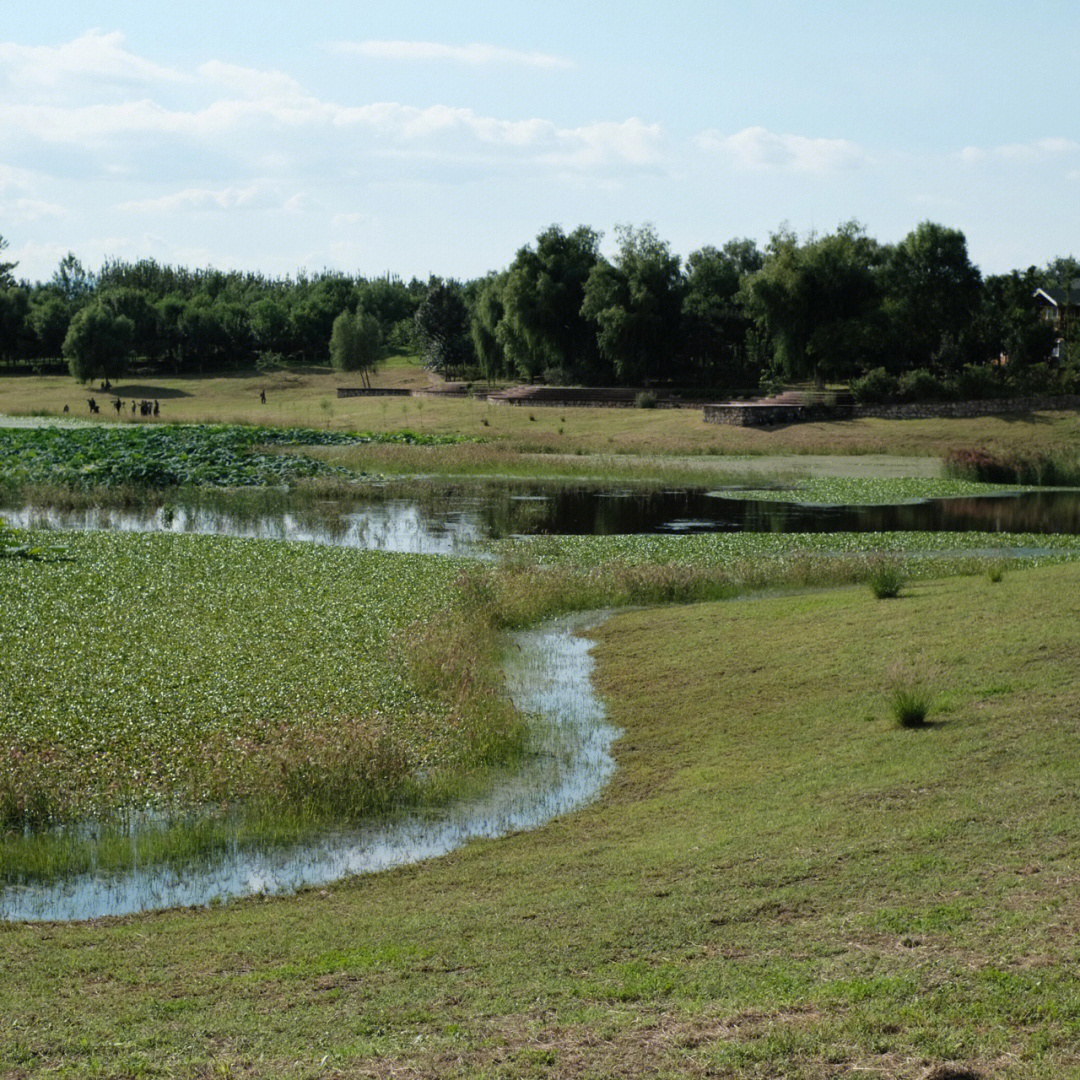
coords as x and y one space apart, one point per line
31 209
474 54
248 114
1036 150
92 57
190 199
251 82
759 148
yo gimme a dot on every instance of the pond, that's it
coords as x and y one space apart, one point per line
568 763
547 670
456 518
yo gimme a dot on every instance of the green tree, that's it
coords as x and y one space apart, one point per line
97 343
7 278
15 331
487 313
819 302
932 300
1010 324
442 324
635 304
49 318
73 281
355 343
714 324
542 328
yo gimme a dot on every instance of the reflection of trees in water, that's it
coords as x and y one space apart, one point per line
444 518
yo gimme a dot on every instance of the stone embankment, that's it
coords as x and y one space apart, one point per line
774 412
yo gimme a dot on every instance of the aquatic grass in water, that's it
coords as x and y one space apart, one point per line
922 551
169 455
564 763
178 672
866 491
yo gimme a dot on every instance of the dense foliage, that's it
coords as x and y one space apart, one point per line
841 306
223 455
179 671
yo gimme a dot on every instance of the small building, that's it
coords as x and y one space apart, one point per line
1060 306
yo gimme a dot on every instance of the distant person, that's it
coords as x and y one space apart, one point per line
262 396
65 408
132 406
157 407
118 405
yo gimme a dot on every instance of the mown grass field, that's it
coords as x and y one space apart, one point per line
779 881
308 398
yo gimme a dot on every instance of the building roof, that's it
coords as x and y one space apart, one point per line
1069 297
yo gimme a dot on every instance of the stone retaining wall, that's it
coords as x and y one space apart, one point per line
987 407
364 391
753 414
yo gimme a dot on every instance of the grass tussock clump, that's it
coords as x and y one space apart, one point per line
886 578
1039 469
910 704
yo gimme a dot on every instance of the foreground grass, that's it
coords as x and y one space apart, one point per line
308 398
178 672
778 882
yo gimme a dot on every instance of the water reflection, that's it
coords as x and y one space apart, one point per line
454 518
395 525
547 674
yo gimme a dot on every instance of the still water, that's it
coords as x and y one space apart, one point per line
456 518
547 675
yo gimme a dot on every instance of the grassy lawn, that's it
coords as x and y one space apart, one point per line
779 881
308 398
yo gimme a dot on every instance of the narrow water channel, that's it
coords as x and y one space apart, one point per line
548 676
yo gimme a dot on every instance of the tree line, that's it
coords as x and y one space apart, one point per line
905 319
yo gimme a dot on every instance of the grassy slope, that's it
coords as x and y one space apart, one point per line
309 398
778 882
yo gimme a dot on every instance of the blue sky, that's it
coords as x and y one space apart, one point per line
416 138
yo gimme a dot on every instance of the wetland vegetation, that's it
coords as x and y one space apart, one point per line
776 879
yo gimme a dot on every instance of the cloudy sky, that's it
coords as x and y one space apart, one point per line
422 138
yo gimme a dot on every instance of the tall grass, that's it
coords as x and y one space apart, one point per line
1041 469
886 578
910 703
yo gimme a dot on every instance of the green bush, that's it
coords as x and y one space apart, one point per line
876 387
646 400
976 382
886 579
910 704
921 385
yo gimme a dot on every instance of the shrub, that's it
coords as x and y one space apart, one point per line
876 387
557 375
978 381
995 572
646 400
886 579
910 704
920 385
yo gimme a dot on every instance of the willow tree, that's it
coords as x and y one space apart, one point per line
354 343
